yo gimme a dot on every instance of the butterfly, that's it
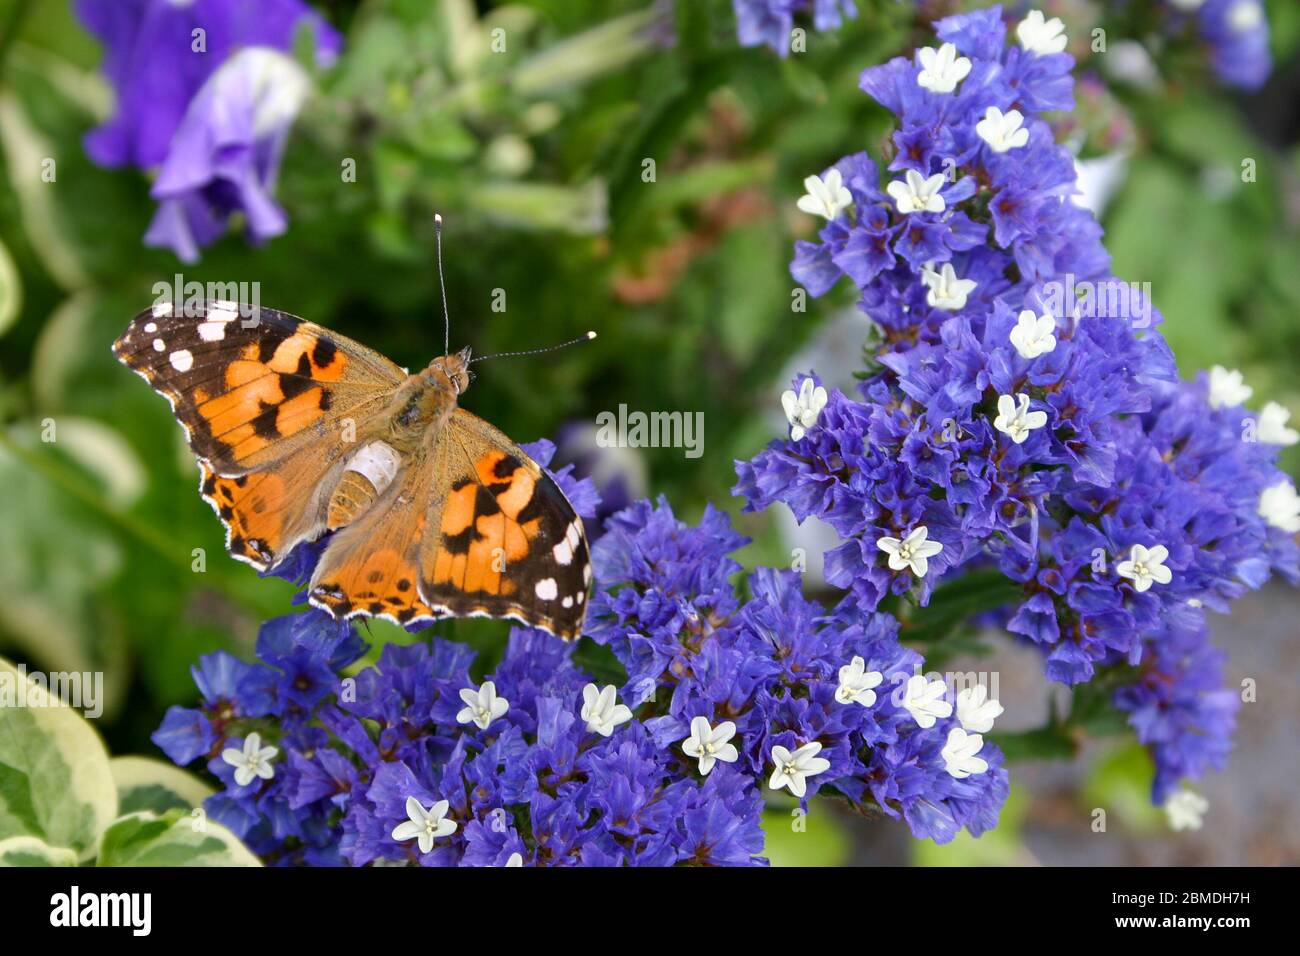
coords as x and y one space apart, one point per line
300 431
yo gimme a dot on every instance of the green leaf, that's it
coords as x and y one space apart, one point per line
11 290
793 838
147 784
172 839
29 851
55 781
957 601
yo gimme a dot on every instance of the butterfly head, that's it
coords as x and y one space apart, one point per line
450 372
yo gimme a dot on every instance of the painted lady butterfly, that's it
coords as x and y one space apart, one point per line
300 431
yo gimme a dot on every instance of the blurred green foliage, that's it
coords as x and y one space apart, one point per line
538 158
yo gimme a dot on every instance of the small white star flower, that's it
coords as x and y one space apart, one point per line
601 710
917 193
941 69
1228 388
1002 131
925 700
515 859
253 761
856 683
1145 566
947 292
1272 428
826 197
959 754
1034 335
1016 421
913 552
1041 36
793 769
1185 810
1245 15
1279 505
482 706
801 410
708 744
424 826
976 711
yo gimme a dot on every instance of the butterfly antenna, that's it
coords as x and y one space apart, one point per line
442 285
550 348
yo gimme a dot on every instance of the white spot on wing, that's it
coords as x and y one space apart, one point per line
212 331
158 345
151 328
161 308
563 551
546 589
182 360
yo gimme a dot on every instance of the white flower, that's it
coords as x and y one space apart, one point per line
253 761
959 754
924 700
1279 505
1002 131
1273 429
1245 15
515 859
801 410
1145 566
946 290
793 769
424 826
975 711
1041 36
941 69
1017 421
482 706
911 552
1034 335
856 683
1185 809
708 744
917 193
601 710
826 197
1227 388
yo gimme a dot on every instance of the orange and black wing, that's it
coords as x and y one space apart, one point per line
501 539
271 406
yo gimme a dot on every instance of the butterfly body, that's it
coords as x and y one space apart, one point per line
301 432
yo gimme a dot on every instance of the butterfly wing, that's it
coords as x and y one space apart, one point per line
264 404
501 539
371 567
250 391
472 527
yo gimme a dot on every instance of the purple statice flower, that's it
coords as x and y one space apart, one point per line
769 22
1178 704
417 759
206 93
1021 410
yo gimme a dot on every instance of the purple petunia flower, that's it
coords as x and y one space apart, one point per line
206 93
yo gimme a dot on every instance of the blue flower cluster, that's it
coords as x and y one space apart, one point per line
1021 407
770 22
206 93
539 767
